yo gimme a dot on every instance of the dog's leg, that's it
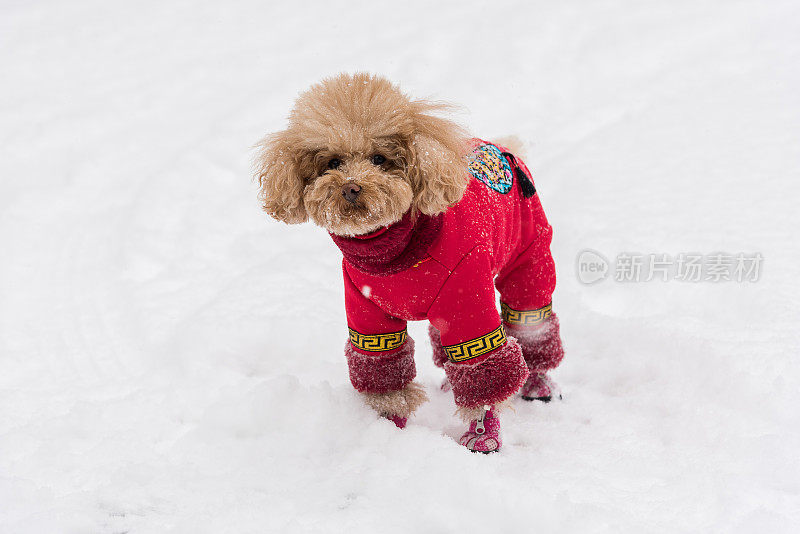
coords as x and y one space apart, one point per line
385 381
525 298
543 351
397 405
485 367
484 386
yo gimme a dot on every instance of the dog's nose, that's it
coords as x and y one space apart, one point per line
350 192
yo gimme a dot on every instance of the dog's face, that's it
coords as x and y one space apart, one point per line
357 155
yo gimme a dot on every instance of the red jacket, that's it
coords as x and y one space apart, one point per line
443 268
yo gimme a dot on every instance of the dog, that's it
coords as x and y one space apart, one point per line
429 222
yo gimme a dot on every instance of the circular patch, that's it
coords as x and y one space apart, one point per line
488 165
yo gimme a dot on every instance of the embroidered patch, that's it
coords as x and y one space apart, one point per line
377 342
526 317
488 165
475 347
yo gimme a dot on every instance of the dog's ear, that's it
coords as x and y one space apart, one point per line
277 167
437 166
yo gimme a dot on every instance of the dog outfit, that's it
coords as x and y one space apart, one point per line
445 269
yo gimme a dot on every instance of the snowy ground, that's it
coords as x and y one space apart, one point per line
171 361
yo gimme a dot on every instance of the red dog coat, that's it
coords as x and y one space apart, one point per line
445 269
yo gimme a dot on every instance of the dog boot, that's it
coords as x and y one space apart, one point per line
400 422
446 385
483 434
540 387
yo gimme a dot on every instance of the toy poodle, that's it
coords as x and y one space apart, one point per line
429 222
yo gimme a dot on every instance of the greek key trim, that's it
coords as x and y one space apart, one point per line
526 317
475 347
377 342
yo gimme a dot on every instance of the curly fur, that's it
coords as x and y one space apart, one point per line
401 403
351 118
511 143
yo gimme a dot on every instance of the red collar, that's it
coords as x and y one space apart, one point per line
375 233
393 248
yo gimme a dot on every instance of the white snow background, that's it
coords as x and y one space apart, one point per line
171 360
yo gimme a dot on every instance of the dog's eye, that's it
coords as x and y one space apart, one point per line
334 163
377 159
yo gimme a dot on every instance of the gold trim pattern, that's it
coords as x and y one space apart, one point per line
377 342
526 317
475 347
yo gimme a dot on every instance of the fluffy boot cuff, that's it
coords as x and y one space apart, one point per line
541 345
381 373
491 380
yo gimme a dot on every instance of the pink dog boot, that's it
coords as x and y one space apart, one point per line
400 422
483 434
446 385
539 387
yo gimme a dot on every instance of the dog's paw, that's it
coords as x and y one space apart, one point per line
400 403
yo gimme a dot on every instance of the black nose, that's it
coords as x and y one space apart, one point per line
350 192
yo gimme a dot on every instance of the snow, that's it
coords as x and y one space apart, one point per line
171 360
